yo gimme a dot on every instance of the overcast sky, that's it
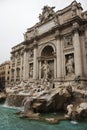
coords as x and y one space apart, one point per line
18 15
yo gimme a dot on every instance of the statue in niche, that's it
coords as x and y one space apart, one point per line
70 65
46 69
31 72
47 13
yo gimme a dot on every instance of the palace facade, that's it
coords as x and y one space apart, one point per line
4 74
60 39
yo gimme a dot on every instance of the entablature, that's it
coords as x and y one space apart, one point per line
53 28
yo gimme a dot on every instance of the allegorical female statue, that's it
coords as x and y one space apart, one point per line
45 68
70 65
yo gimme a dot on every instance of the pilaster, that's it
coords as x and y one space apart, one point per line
58 53
77 50
40 69
21 66
26 66
10 70
85 47
15 72
35 61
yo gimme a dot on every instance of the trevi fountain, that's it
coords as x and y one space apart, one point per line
48 82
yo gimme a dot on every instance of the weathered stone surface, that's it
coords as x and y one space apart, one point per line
29 114
2 96
76 113
38 98
52 120
69 111
15 100
50 102
55 40
82 110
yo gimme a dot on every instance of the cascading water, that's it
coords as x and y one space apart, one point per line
73 119
13 107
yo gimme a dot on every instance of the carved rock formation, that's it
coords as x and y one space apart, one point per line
76 113
2 96
49 102
38 98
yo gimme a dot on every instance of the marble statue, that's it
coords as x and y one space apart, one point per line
69 110
69 65
46 69
47 13
31 71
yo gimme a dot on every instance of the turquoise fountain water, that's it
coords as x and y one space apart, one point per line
11 121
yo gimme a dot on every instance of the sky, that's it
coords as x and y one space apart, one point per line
18 15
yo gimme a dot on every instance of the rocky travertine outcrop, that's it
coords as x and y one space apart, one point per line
51 101
2 96
15 100
82 110
37 97
78 112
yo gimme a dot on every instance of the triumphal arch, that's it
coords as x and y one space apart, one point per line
55 48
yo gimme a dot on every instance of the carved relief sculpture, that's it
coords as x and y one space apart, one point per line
47 13
68 41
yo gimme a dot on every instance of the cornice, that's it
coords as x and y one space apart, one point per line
59 27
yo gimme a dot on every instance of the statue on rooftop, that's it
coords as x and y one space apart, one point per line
47 13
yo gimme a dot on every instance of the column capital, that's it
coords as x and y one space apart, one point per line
25 48
75 27
21 52
57 34
35 44
16 54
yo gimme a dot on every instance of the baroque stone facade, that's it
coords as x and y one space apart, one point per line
54 48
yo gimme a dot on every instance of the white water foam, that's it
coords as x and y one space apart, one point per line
74 122
12 107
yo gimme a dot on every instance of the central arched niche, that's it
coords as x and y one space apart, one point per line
47 51
47 54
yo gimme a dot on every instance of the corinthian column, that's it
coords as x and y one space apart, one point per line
21 66
58 52
85 51
15 73
77 50
35 61
26 66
